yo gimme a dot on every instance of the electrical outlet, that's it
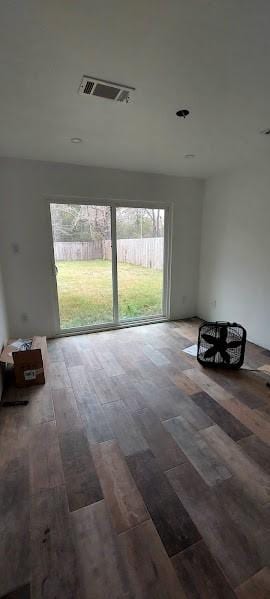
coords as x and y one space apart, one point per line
184 299
24 317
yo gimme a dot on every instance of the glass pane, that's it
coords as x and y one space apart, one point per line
140 251
82 236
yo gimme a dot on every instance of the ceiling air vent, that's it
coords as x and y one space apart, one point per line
90 86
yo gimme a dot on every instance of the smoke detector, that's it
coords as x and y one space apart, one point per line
183 113
90 86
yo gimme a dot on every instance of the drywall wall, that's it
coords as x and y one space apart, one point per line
25 239
235 251
3 323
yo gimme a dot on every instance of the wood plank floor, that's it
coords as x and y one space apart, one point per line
134 473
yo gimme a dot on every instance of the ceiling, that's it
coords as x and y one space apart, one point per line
210 56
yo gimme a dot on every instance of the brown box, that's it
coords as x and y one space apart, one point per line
29 365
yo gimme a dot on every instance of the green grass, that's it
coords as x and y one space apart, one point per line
85 292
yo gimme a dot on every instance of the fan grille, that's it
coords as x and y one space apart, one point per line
221 344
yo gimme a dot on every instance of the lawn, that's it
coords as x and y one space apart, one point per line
85 292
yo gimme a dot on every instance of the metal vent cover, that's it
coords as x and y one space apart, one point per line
91 86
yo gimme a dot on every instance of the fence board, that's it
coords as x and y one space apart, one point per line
78 250
146 252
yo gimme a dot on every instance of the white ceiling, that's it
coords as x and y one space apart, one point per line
210 56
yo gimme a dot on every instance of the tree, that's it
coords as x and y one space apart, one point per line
74 222
80 222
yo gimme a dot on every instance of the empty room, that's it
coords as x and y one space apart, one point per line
134 299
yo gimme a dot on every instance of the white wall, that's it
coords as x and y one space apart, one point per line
3 323
25 237
235 251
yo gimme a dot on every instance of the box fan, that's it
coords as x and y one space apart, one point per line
221 344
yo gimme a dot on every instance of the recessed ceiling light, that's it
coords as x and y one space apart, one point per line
183 113
189 155
76 140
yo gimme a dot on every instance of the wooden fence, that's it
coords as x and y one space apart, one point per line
146 252
78 250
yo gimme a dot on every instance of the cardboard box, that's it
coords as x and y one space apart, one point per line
29 365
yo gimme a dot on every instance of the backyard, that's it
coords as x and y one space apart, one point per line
85 292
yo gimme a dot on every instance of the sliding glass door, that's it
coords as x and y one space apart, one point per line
109 264
140 252
83 266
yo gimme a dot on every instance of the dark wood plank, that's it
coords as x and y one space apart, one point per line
151 573
80 476
23 592
82 484
124 427
15 524
54 567
251 400
258 586
101 568
227 543
204 458
200 575
252 419
257 450
224 419
122 497
161 443
171 520
248 417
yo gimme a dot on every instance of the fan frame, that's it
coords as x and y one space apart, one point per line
218 324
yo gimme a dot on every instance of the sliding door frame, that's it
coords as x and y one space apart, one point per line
167 259
114 266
